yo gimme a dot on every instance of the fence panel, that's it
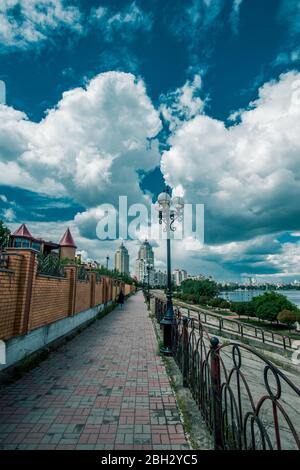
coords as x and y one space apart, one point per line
247 402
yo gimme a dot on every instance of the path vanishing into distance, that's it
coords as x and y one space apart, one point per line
107 388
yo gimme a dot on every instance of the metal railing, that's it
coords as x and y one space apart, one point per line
3 260
49 266
82 274
246 401
238 327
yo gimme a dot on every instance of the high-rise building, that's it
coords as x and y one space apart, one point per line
179 275
146 253
160 278
141 271
145 258
122 259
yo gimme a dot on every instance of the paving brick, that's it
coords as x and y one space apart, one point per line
106 389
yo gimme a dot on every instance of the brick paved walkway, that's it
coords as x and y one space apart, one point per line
105 389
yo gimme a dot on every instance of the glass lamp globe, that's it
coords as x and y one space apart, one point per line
178 202
164 200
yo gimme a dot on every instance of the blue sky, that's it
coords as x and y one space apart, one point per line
206 86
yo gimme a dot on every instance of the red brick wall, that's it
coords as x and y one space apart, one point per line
50 300
128 289
28 300
83 296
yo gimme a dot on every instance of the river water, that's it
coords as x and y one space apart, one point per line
246 295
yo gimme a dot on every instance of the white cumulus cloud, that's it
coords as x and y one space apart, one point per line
125 23
184 103
247 175
9 214
24 23
89 146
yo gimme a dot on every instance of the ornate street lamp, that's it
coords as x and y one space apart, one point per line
170 209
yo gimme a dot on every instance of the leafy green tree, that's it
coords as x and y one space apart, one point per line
268 305
243 308
249 309
288 317
196 289
203 300
4 235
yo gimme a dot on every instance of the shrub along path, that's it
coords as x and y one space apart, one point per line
106 389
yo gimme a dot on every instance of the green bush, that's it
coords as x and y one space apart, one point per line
288 317
243 308
224 304
203 300
270 304
219 302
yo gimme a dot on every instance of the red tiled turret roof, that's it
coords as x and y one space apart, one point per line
23 232
67 239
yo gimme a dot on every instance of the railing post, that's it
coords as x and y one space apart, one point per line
185 351
215 372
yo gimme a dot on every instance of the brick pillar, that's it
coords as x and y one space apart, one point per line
104 290
110 288
10 310
71 275
92 279
25 275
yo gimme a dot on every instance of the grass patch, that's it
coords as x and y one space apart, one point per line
281 329
106 310
224 313
283 365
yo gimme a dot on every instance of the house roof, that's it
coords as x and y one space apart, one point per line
67 239
23 231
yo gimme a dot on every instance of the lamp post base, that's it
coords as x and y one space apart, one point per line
167 323
166 351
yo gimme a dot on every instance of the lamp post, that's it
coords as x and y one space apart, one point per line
148 267
170 209
148 278
107 260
